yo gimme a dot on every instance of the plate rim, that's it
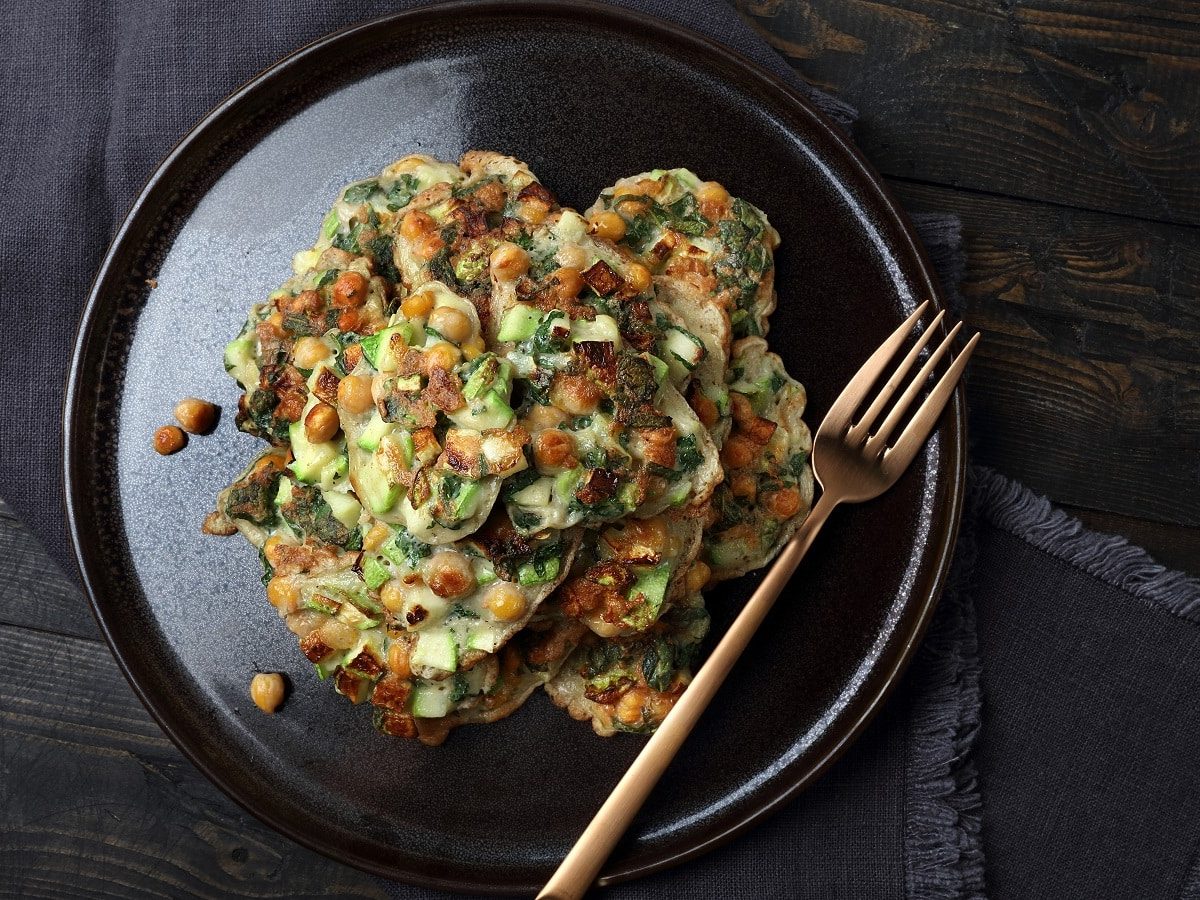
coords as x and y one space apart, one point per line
913 623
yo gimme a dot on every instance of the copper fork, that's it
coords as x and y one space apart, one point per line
853 459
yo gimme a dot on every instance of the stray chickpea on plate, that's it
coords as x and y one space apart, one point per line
509 444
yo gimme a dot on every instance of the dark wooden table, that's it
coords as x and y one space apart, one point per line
1066 135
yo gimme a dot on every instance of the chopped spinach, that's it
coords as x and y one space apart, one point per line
380 249
687 454
357 193
401 193
404 549
307 512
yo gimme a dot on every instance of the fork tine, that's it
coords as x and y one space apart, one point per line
880 438
863 425
913 437
852 395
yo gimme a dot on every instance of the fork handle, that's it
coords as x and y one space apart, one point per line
579 869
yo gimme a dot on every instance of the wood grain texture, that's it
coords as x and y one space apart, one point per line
1085 103
96 802
1086 385
1174 546
34 592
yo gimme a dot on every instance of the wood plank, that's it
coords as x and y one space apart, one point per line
1174 546
1086 385
97 802
1088 103
35 593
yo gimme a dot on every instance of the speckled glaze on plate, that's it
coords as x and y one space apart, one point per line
496 807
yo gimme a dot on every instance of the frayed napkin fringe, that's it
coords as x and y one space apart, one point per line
943 849
1112 559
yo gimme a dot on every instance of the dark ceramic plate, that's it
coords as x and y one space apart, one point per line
596 95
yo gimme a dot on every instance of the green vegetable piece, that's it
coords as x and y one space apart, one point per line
519 323
375 573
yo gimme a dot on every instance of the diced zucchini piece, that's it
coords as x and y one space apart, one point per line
602 328
661 370
464 503
345 508
482 637
310 458
685 347
436 650
333 472
519 323
431 700
376 429
375 573
305 260
537 494
239 360
378 492
528 573
652 585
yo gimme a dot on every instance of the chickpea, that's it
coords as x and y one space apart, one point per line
283 594
452 324
349 290
417 305
739 451
575 395
712 192
697 576
783 503
266 690
430 246
543 417
440 356
741 408
631 206
743 485
533 211
270 550
303 303
275 321
416 224
350 320
397 659
309 351
321 423
651 533
449 574
374 538
505 601
473 347
509 262
629 707
338 635
195 415
354 394
638 278
608 225
392 596
572 256
169 439
706 411
554 449
570 282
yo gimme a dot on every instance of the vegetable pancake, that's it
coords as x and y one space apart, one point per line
768 487
508 444
695 231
